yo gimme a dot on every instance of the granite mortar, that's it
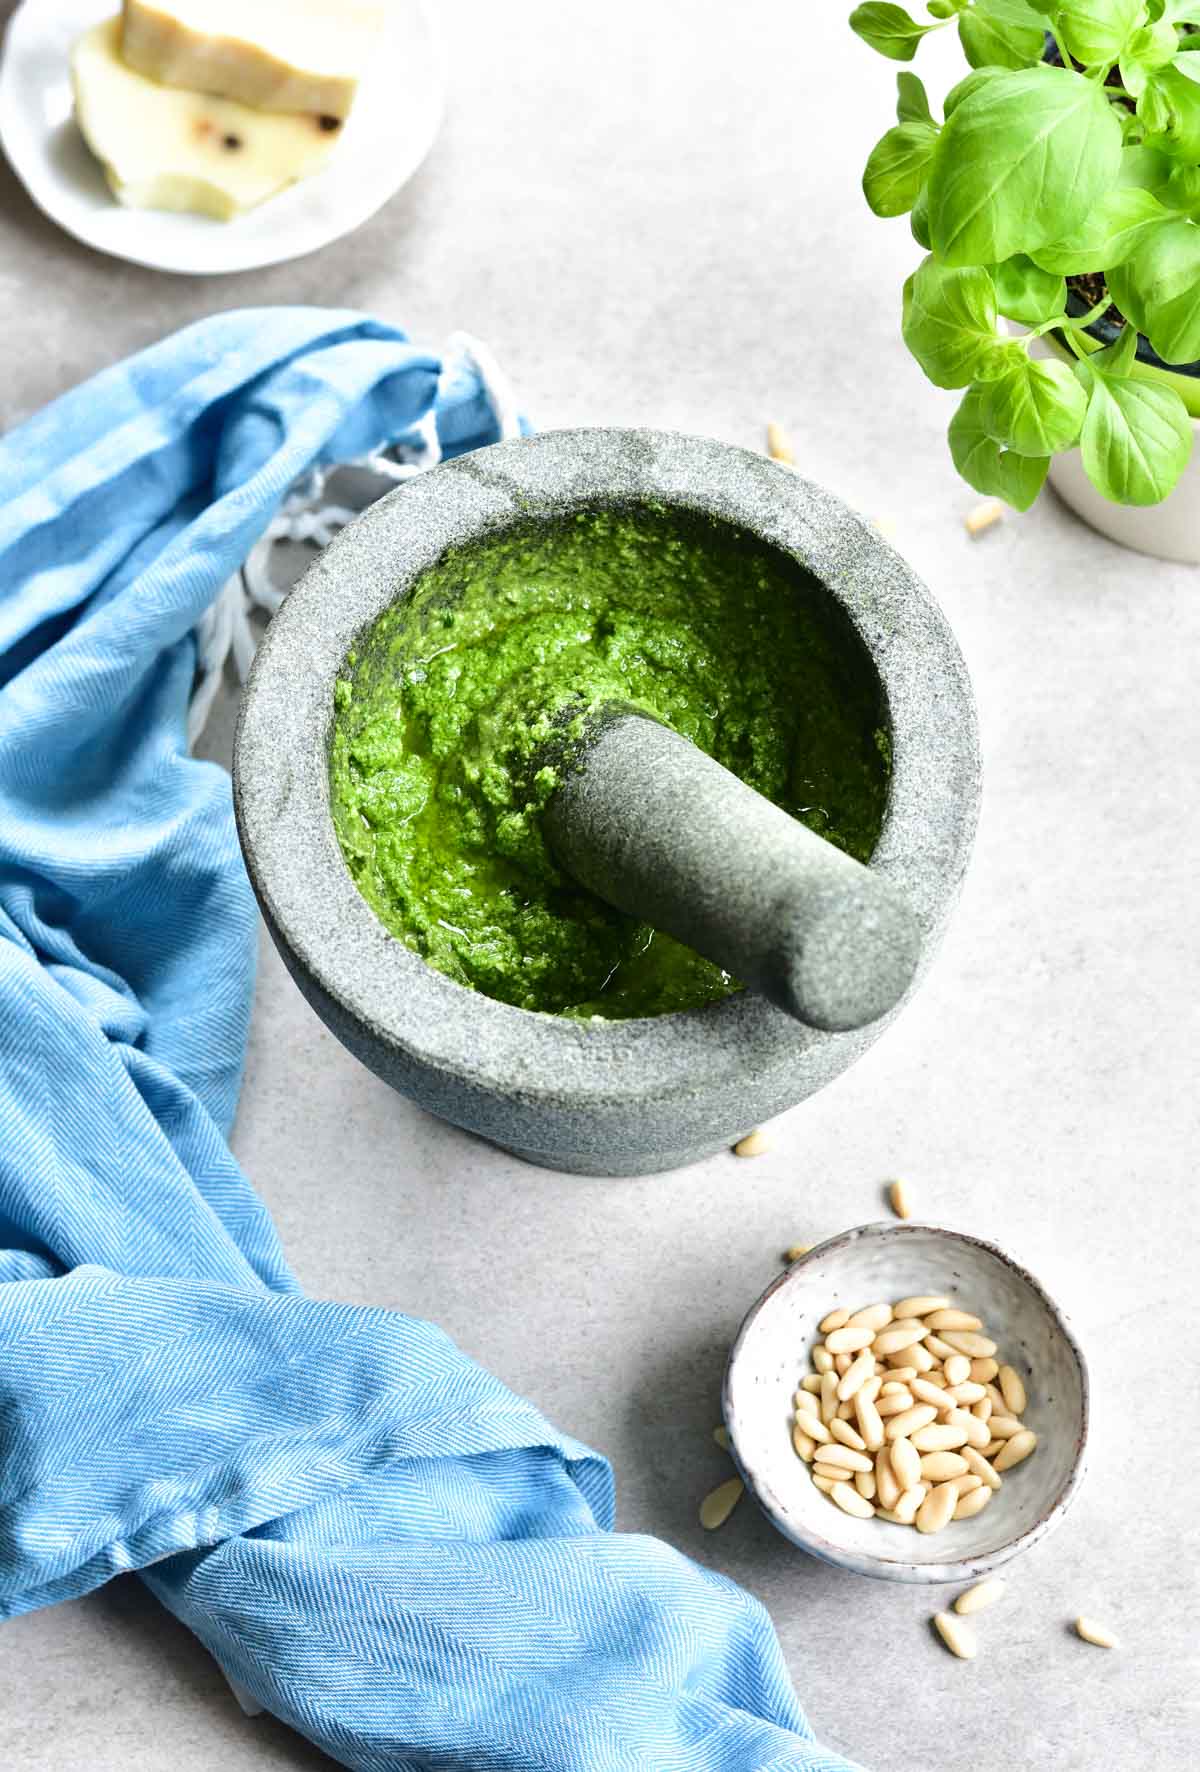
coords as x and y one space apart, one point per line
589 1097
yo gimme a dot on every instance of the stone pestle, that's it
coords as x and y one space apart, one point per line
652 825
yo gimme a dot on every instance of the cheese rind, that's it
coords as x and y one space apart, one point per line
165 149
277 55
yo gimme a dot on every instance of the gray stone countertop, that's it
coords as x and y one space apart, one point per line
653 215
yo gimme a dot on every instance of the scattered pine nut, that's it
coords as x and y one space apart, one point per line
958 1637
755 1144
982 1595
717 1506
899 1200
779 446
721 1436
1091 1632
982 517
795 1252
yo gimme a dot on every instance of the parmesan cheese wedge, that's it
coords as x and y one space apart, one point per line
278 55
164 149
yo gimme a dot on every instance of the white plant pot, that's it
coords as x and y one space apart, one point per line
1171 530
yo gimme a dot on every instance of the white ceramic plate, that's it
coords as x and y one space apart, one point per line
389 133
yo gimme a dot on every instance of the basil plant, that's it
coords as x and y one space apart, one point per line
1071 150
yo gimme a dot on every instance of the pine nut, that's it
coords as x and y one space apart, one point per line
864 1482
937 1509
842 1363
978 1432
919 1306
717 1506
992 1447
944 1437
904 1426
894 1341
954 1319
795 1252
721 1436
803 1443
979 1597
1004 1427
965 1341
887 1485
965 1485
996 1396
979 1464
872 1316
822 1359
972 1503
939 1467
982 1370
898 1196
811 1383
870 1425
910 1503
918 1356
958 1637
845 1410
958 1369
982 1411
826 1475
1016 1449
1012 1390
968 1393
809 1424
846 1457
829 1384
825 1484
895 1402
779 446
869 1391
851 1502
982 517
930 1393
901 1374
941 1350
848 1436
848 1341
834 1320
755 1144
1091 1632
906 1462
856 1375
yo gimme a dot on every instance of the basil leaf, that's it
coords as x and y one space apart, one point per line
1151 47
1001 34
912 104
1112 233
1098 30
918 221
1158 288
898 167
1022 160
984 465
888 29
1036 407
949 324
1136 440
1116 360
1169 109
1027 293
1182 189
966 86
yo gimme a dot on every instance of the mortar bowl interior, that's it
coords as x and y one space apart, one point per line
606 1097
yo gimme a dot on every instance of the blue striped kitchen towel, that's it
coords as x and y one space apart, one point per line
378 1542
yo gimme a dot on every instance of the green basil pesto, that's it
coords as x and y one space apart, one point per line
439 763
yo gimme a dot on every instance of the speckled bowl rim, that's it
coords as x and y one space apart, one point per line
939 1574
281 788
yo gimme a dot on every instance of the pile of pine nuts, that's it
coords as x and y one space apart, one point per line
907 1415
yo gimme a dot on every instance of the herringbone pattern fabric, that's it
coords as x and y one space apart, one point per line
375 1538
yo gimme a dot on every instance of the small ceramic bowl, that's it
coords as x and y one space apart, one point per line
880 1263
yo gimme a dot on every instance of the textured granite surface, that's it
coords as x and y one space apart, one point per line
598 1097
653 214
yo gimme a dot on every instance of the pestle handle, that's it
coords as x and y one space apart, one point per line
657 828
